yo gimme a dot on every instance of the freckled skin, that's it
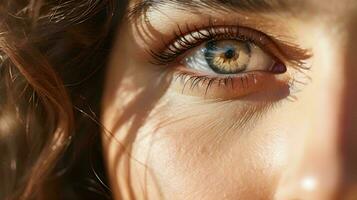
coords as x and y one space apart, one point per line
168 145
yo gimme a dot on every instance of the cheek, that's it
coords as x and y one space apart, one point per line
165 144
190 154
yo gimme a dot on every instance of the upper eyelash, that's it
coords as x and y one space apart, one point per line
171 51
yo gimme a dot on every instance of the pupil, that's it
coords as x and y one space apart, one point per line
230 53
224 57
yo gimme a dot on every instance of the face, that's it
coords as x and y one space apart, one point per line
240 100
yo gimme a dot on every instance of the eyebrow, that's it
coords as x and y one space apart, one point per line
143 6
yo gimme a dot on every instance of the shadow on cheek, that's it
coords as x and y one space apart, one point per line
133 116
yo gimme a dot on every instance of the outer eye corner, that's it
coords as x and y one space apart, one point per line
279 68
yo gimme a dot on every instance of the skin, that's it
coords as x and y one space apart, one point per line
160 143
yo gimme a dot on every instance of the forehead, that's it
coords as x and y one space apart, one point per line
331 6
333 11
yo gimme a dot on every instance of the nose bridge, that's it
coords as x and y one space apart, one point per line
348 117
324 162
313 170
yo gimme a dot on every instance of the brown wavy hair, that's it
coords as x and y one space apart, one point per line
52 61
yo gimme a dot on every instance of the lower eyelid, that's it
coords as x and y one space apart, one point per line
227 88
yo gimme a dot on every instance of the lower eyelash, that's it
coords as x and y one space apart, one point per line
272 86
192 81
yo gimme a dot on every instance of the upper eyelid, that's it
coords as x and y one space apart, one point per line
199 34
214 32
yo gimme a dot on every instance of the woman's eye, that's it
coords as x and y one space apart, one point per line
230 57
226 62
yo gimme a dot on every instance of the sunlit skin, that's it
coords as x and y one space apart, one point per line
281 140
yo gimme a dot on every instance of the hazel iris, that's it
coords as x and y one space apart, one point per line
228 56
